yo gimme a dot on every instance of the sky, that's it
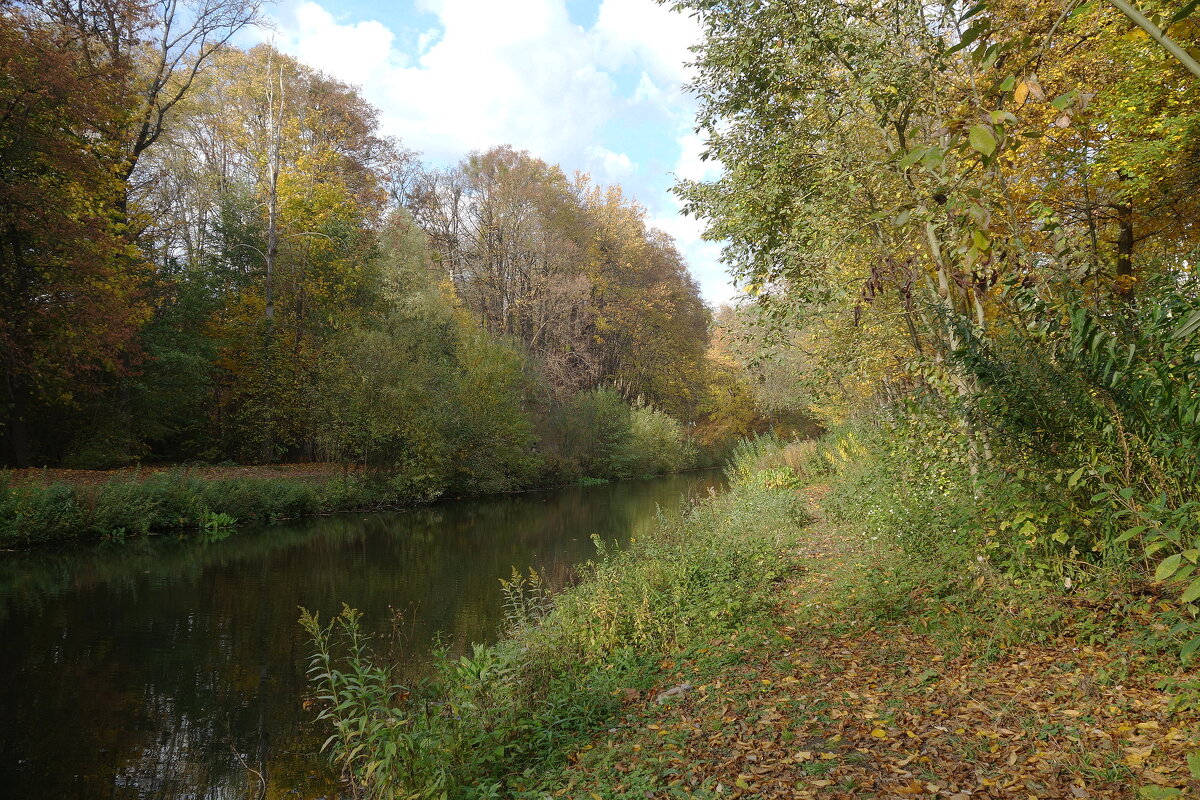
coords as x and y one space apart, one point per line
591 85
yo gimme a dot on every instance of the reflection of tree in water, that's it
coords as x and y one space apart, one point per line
144 671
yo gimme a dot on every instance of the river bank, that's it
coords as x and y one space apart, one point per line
189 649
45 506
783 641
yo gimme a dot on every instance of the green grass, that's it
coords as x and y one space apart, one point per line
899 577
32 515
500 720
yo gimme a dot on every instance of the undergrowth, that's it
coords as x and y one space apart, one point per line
494 722
31 515
918 539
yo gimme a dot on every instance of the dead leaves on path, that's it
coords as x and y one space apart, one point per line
880 715
896 722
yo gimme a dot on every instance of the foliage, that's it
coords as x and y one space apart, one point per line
359 702
946 214
493 433
31 514
243 267
495 719
659 443
596 434
69 306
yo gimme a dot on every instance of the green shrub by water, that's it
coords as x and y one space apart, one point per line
598 435
496 718
161 502
596 438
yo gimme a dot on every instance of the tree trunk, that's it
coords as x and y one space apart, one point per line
17 427
1125 279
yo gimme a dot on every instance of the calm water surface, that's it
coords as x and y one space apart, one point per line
164 668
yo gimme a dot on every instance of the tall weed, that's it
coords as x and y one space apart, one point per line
500 716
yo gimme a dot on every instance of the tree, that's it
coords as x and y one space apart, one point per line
69 282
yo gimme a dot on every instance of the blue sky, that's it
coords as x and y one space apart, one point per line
593 85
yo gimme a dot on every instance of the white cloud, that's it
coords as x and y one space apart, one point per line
610 167
690 165
517 72
326 45
647 34
521 72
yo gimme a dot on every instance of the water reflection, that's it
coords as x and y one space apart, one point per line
174 668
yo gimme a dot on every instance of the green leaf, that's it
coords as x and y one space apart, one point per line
1183 14
1083 9
1193 762
1187 326
1155 546
1189 649
1073 481
969 35
1011 81
1159 792
982 139
1129 534
1167 567
1062 102
972 11
912 157
1192 592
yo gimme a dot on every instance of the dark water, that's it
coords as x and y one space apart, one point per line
165 668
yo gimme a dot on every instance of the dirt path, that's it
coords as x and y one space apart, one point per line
828 706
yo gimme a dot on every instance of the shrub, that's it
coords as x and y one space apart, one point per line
124 507
33 515
598 435
513 708
179 500
658 442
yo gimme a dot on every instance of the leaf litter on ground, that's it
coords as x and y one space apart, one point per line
823 707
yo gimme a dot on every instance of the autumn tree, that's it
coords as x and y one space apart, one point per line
69 301
572 271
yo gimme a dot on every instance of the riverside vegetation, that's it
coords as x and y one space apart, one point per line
604 438
836 625
214 255
967 235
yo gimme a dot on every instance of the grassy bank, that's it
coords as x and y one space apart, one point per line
33 514
130 504
596 438
828 628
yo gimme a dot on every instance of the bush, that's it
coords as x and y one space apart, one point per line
512 709
30 515
124 507
658 442
598 435
179 500
589 436
773 462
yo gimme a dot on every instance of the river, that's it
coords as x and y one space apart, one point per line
170 667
